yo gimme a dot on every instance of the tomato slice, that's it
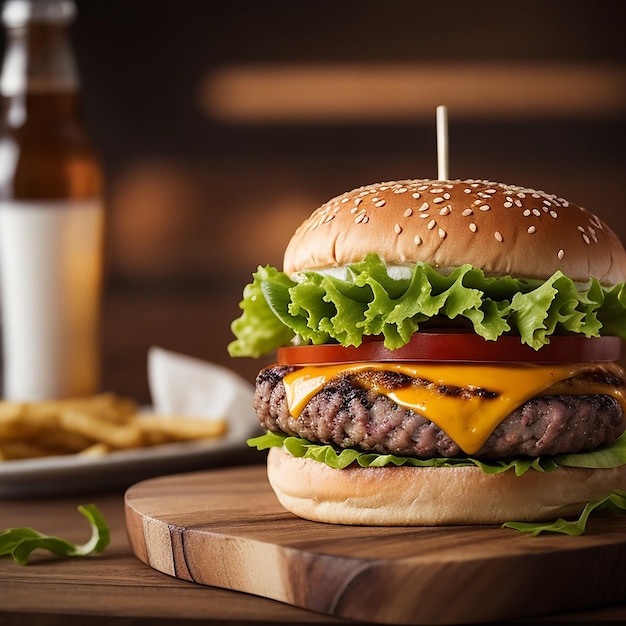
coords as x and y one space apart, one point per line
459 347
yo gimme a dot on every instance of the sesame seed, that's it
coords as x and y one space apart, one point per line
586 239
498 236
446 196
438 190
526 212
484 207
359 218
467 212
408 212
416 195
518 202
422 188
473 227
531 230
400 190
328 218
424 215
581 229
380 203
554 214
477 202
438 200
445 210
536 212
508 205
345 200
595 220
547 202
358 201
560 254
442 233
431 224
398 229
467 190
366 219
418 240
490 190
536 195
424 207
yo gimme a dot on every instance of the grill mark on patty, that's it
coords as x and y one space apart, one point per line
599 376
384 379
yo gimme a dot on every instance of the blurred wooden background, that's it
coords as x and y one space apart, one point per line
222 125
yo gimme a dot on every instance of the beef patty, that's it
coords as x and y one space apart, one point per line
349 415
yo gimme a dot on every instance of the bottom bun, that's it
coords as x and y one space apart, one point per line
433 496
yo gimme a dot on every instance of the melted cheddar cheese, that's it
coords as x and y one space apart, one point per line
468 419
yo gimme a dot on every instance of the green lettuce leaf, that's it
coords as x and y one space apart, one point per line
20 542
260 329
319 308
611 314
612 455
615 501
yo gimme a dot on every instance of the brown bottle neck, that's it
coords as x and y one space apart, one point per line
40 108
38 65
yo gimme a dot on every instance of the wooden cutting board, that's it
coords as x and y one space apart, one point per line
225 528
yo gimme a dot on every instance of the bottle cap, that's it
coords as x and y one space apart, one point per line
16 13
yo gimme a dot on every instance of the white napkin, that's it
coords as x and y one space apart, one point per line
185 385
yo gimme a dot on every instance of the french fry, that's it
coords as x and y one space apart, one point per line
10 410
180 427
63 441
107 405
117 435
13 450
92 426
96 449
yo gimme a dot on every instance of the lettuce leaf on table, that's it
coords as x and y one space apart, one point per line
20 542
322 308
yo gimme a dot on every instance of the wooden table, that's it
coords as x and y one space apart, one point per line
117 589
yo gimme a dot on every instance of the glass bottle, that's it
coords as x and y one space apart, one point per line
51 211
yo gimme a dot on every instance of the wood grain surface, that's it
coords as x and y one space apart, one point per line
225 528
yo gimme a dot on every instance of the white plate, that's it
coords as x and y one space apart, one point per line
81 474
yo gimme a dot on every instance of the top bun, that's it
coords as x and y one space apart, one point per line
502 229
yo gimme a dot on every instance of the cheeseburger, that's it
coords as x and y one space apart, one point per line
445 355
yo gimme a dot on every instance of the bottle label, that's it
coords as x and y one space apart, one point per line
50 291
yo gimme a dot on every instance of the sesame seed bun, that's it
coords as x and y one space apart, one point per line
432 496
502 229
